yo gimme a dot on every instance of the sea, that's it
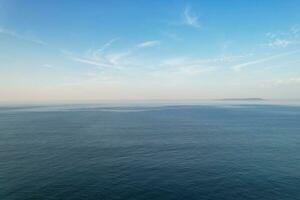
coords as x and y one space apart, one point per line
194 151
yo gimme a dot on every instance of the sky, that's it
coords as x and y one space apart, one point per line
60 50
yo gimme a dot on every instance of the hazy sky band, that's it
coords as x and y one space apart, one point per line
89 50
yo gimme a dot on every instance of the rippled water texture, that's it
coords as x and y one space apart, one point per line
163 152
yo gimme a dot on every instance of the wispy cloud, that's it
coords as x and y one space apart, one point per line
187 61
47 66
150 43
281 82
24 37
282 43
90 61
190 18
104 47
295 29
113 59
100 58
283 39
172 36
193 67
262 60
133 60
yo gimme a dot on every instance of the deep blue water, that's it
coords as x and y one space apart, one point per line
169 152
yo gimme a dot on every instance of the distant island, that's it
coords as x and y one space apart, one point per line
242 99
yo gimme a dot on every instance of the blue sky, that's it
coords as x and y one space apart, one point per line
132 50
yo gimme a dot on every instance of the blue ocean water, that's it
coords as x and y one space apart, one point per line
240 151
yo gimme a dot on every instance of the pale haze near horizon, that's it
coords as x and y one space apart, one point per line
148 50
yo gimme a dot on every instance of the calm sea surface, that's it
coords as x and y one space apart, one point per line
240 151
